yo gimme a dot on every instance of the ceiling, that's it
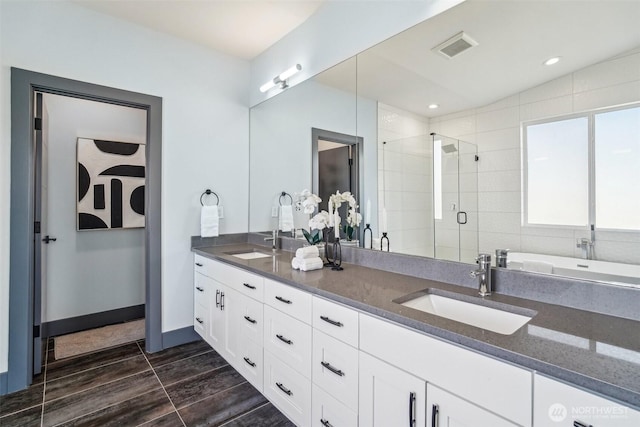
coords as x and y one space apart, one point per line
241 28
514 38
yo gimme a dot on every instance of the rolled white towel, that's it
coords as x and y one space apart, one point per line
308 264
295 263
537 266
308 252
209 221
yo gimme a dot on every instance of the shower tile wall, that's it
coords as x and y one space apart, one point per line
406 187
495 129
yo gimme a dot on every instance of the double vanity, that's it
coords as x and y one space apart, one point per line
366 347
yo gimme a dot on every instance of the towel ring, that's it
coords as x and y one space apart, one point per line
285 194
209 192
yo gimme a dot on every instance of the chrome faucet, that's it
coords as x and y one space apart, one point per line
483 273
273 239
501 258
587 247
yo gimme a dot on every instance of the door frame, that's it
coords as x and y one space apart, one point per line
24 84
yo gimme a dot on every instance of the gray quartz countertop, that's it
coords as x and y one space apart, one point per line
598 352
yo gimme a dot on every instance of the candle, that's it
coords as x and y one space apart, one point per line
368 213
330 208
337 224
384 220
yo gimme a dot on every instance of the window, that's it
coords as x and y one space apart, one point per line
583 170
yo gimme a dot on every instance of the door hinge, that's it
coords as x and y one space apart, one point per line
36 331
36 227
477 158
37 123
350 162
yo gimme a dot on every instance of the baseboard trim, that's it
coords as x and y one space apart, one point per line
179 336
3 383
91 321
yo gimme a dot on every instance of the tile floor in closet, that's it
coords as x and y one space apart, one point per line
189 385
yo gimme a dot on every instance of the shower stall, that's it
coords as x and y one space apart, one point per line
429 188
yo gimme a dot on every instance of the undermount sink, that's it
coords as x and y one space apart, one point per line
251 254
504 320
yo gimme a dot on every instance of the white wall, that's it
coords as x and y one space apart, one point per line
495 129
88 271
338 31
205 123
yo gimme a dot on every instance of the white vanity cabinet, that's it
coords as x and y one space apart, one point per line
556 404
390 396
287 350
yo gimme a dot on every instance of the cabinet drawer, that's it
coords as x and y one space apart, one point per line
500 387
242 281
289 300
203 265
336 320
327 411
289 339
250 362
287 389
249 319
201 320
559 404
335 368
201 290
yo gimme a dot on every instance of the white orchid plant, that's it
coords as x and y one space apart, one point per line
308 203
353 217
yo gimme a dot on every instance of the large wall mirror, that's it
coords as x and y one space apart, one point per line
538 159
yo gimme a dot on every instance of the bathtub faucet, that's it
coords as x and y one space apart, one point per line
587 247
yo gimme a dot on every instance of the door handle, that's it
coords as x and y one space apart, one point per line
250 320
435 409
284 389
325 423
463 215
333 322
217 298
48 239
581 424
246 285
332 369
284 340
412 409
284 300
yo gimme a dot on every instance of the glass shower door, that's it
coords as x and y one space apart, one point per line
455 199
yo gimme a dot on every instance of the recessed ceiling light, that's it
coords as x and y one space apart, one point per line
552 61
433 106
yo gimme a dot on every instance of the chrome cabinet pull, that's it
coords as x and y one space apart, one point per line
217 298
284 300
284 389
221 300
435 409
199 288
284 340
581 424
250 320
246 285
325 423
198 264
332 369
333 322
249 362
199 320
412 409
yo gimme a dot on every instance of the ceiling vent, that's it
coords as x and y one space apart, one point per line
457 44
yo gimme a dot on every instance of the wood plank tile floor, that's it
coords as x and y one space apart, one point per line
189 385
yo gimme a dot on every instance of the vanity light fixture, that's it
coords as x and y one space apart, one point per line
552 61
281 79
433 106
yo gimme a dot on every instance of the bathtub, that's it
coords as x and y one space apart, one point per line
620 274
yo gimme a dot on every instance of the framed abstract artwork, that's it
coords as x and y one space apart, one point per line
110 184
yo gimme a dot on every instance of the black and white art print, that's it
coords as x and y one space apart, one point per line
110 184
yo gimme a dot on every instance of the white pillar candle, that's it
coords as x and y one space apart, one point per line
337 224
384 220
330 208
368 213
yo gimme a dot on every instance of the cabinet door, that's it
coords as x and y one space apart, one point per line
230 310
217 323
389 396
445 409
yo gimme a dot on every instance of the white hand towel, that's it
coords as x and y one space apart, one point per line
209 221
286 218
537 266
295 263
308 264
308 252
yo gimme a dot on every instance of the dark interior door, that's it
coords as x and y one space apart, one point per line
335 167
37 246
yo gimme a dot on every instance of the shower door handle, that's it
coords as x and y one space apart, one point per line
462 217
